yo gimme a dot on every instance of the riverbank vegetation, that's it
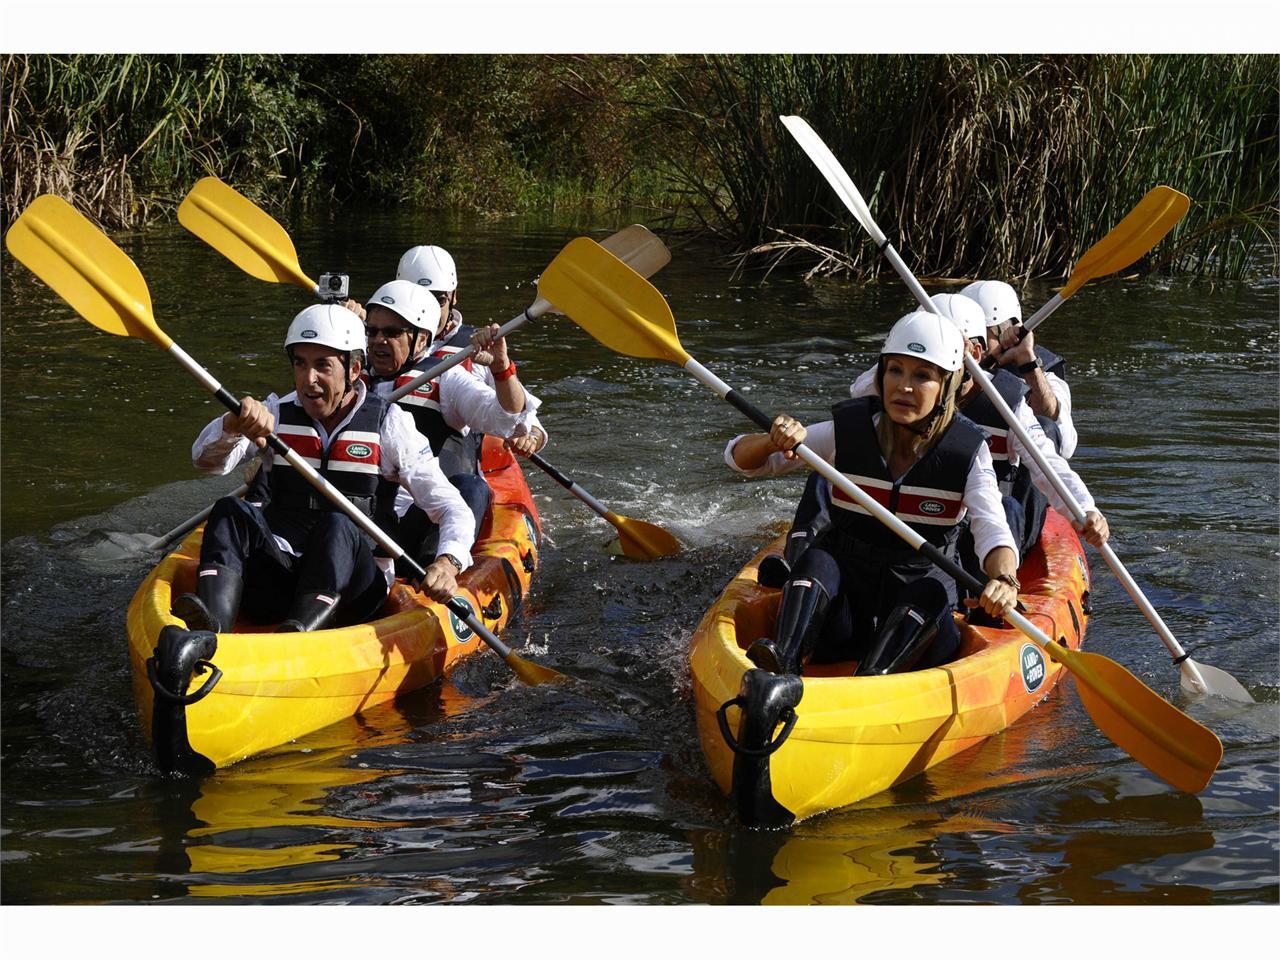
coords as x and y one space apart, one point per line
974 164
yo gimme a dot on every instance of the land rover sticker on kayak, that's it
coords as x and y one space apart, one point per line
460 628
1031 662
931 507
359 450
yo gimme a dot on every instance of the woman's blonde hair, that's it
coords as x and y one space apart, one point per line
932 427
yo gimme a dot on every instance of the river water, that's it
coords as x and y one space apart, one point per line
484 791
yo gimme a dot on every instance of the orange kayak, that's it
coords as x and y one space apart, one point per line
261 689
787 748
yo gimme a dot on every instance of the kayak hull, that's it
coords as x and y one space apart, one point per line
276 687
844 738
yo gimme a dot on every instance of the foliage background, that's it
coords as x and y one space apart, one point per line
975 164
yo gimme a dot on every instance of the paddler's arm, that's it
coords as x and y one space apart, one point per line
407 460
992 538
1094 528
1020 357
491 349
228 440
769 454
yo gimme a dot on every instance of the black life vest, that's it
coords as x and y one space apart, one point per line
1052 363
983 412
351 462
457 453
928 497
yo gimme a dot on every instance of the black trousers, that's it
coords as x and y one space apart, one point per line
337 559
865 591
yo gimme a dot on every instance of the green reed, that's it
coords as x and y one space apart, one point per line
983 165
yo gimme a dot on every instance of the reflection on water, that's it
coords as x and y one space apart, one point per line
486 791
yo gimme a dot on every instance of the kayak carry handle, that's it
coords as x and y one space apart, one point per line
186 699
788 718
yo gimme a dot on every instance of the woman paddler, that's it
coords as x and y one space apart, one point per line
860 592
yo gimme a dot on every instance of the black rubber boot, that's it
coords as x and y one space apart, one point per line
900 644
801 617
311 611
812 519
216 601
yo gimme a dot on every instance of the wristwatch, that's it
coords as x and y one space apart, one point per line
452 559
1036 364
1011 580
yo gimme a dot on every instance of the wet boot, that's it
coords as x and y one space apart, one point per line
801 617
901 642
311 611
813 518
216 601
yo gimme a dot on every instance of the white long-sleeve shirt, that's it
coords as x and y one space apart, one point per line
865 386
467 403
981 501
406 459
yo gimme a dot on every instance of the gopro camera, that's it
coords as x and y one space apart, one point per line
333 287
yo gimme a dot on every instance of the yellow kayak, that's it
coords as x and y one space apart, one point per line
259 689
787 748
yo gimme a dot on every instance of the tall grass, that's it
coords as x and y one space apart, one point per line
984 165
124 137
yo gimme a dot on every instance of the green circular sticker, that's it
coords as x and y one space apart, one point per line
460 628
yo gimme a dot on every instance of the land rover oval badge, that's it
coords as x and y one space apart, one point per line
1031 663
359 450
460 628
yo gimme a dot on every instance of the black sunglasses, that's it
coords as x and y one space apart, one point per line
391 333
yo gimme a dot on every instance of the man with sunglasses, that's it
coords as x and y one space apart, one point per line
434 268
402 320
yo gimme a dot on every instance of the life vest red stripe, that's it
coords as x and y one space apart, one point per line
879 494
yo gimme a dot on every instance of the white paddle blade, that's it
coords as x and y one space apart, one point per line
1216 681
830 168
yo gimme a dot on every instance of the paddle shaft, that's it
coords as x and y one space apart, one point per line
338 499
570 485
454 359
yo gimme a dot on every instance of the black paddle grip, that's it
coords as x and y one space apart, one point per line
550 471
750 410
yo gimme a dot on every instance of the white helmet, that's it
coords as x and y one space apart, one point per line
429 267
410 302
329 325
926 336
964 313
996 298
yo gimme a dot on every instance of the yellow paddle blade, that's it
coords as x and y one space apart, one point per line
612 302
1153 731
1142 228
81 264
533 673
242 232
639 249
641 540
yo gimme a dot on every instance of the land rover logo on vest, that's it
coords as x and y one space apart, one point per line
1031 662
309 334
932 507
460 628
915 347
359 450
